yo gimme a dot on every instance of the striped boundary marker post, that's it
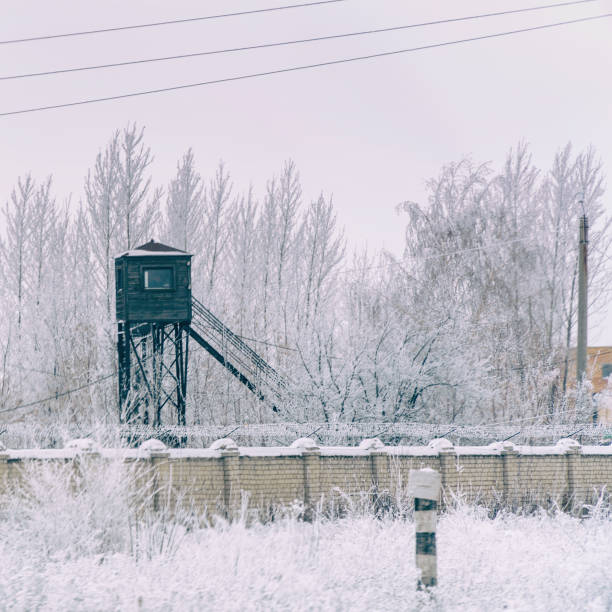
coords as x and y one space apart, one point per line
424 485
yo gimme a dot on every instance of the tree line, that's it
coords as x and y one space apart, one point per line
473 323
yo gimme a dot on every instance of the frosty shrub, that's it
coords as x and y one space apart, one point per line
601 506
71 509
88 506
511 562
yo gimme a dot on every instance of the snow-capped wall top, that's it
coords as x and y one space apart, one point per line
153 445
371 443
305 444
440 444
82 445
504 445
434 449
566 443
224 444
286 451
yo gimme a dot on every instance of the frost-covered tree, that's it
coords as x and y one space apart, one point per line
473 323
44 235
16 255
214 229
496 253
242 249
138 209
323 251
102 189
184 215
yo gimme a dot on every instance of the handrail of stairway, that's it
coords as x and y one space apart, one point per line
203 312
227 333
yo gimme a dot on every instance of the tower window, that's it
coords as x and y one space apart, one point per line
158 278
606 370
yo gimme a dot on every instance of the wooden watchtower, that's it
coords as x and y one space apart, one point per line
154 312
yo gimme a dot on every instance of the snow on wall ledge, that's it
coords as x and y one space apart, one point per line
216 479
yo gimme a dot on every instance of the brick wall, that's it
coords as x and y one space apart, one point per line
224 477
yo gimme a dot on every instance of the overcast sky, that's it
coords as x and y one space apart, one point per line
368 132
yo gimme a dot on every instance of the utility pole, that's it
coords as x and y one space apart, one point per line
581 357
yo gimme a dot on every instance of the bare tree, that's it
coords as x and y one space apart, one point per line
184 217
16 254
323 249
218 198
102 189
137 212
242 251
44 222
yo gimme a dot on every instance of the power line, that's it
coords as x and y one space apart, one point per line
101 379
266 343
58 395
523 420
299 68
285 43
168 22
113 374
36 371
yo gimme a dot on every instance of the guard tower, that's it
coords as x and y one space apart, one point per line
156 316
154 311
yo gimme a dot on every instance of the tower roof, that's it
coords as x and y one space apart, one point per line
154 248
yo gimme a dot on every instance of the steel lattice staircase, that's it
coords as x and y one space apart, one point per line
235 355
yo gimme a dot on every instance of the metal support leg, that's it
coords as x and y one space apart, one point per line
159 355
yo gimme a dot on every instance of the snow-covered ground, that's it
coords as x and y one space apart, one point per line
86 550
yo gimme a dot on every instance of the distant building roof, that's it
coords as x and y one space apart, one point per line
154 248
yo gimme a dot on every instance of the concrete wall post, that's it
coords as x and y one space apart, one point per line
230 455
379 463
573 451
510 471
311 456
231 481
312 480
380 469
448 465
154 477
448 471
